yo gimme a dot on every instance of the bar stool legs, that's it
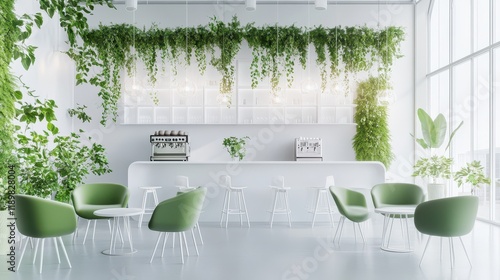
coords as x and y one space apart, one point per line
281 195
225 182
145 210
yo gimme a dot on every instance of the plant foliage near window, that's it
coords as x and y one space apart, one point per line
372 141
14 30
275 50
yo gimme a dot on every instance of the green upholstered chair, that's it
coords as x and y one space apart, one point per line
351 205
42 218
397 194
88 198
447 217
177 215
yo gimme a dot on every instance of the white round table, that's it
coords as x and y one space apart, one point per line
391 213
116 214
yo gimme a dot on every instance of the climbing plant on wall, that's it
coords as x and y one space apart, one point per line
372 139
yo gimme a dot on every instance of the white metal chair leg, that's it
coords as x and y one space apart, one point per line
86 231
329 210
64 250
450 241
185 242
288 210
194 241
239 207
245 205
164 243
465 250
57 249
425 249
22 255
180 245
227 207
36 250
93 233
41 255
156 246
361 232
199 232
223 208
315 208
274 207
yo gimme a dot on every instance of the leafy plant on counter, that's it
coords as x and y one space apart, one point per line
235 146
372 141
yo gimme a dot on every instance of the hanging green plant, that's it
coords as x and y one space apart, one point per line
333 44
372 141
227 37
388 47
319 38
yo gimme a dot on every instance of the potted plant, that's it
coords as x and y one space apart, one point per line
235 146
434 167
472 174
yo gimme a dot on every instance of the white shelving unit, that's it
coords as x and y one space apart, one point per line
248 106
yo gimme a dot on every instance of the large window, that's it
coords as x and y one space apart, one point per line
465 87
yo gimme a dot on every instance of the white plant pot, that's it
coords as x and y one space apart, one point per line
436 191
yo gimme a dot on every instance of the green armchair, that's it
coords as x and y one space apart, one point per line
447 217
177 215
351 205
42 218
88 198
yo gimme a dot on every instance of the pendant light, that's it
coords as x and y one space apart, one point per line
131 5
251 5
320 4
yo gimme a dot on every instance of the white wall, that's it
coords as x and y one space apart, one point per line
128 143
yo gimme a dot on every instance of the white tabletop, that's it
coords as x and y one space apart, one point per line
118 212
150 187
402 210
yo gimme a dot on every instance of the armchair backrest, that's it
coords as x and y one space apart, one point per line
178 213
43 218
397 194
447 217
100 194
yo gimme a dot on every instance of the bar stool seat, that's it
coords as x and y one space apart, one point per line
322 204
147 190
280 194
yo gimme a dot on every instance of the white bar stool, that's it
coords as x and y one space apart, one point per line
322 205
225 183
281 194
146 192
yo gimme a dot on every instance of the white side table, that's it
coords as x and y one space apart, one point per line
391 213
145 210
116 214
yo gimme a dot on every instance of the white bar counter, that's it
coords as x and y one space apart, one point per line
256 175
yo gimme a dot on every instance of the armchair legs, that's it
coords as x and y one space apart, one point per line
452 251
341 227
55 240
182 243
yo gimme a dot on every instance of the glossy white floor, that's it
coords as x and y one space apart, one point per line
278 253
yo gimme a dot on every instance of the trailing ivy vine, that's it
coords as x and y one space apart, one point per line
275 50
372 139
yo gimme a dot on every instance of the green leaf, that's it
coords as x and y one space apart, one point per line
453 134
427 126
438 131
